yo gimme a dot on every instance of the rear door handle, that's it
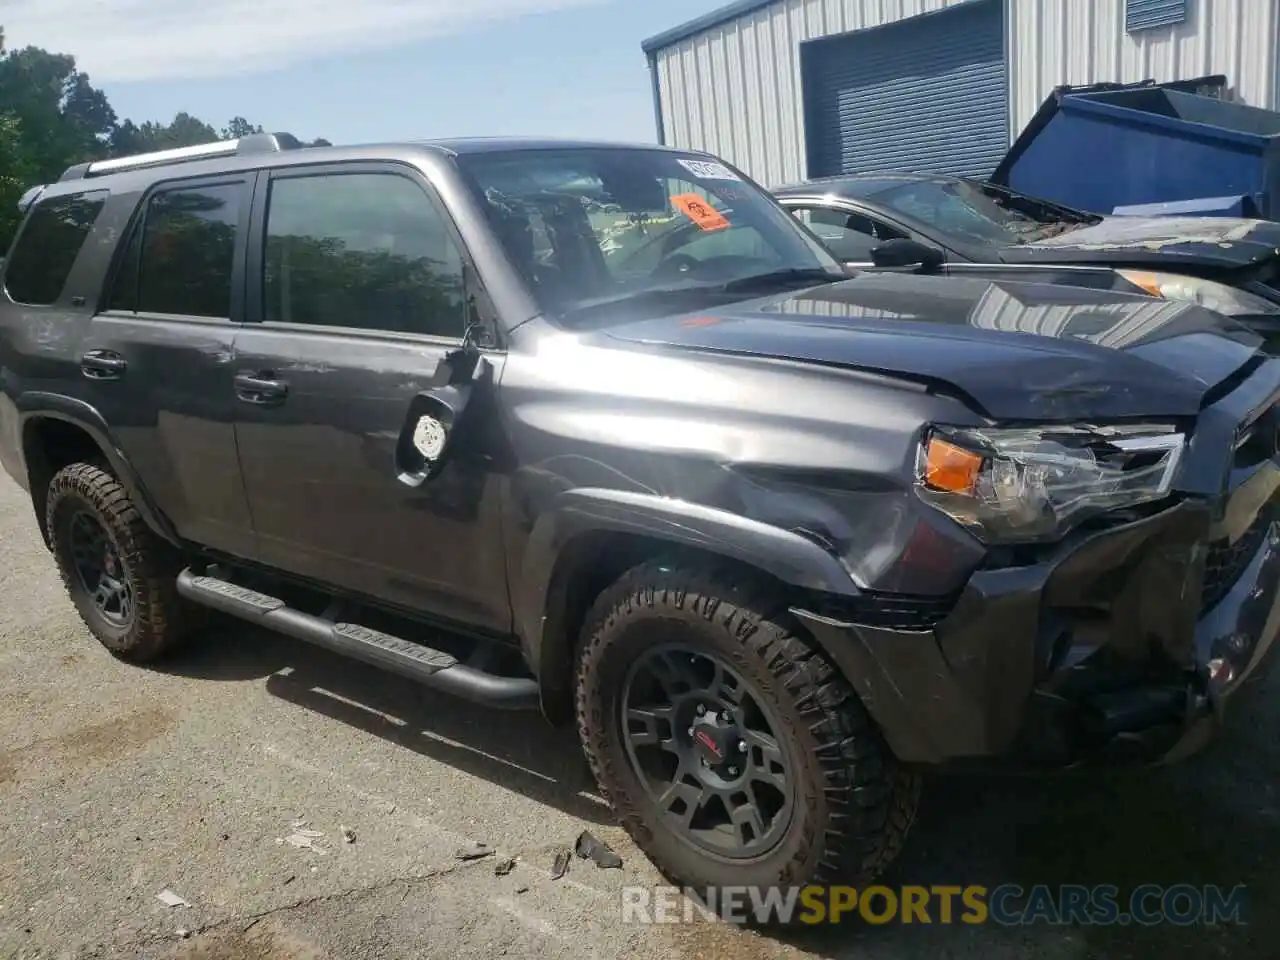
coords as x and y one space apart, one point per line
103 365
261 388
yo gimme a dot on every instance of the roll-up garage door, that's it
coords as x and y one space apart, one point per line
928 94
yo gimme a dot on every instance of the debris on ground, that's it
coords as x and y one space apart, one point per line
522 889
477 851
183 933
171 899
303 838
560 866
503 867
348 835
589 847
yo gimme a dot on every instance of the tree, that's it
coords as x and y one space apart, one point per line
52 117
13 177
63 119
183 131
239 127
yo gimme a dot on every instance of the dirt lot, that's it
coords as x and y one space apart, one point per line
117 783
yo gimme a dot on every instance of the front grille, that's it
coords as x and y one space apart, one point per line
1226 561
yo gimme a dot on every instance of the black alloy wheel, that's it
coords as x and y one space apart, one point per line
729 748
704 744
102 574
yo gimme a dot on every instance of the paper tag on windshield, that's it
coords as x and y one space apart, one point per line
708 169
701 212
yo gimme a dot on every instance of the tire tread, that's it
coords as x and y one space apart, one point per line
160 616
871 799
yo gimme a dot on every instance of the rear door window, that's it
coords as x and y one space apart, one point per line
48 246
181 257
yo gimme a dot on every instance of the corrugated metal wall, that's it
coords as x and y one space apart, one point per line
735 88
928 95
1069 41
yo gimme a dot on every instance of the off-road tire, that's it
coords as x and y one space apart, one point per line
856 803
161 618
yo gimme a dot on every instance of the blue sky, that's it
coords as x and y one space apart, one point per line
361 70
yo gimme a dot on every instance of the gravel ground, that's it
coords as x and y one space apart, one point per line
117 783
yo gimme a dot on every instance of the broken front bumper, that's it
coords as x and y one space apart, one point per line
1124 645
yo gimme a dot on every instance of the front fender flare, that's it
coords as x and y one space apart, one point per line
34 405
783 554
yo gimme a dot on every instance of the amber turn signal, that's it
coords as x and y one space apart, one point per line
951 468
1148 282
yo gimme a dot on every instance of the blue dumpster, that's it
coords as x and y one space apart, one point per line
1149 149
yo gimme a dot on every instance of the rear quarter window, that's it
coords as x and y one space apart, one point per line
48 245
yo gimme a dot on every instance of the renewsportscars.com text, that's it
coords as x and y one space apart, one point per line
1005 905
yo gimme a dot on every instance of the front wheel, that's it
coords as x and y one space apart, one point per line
730 750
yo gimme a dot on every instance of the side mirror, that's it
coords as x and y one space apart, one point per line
902 252
426 438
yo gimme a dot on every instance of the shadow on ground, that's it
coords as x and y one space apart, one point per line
1212 820
519 751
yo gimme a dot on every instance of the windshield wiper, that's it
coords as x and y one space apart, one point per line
807 276
696 294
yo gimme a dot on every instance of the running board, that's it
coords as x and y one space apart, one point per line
434 668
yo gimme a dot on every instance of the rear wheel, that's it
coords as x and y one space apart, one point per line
120 575
730 750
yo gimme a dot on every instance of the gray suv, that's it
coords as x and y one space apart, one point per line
601 430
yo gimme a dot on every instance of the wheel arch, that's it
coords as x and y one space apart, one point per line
57 431
590 537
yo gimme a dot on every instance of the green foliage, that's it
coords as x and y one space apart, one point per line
14 174
52 117
321 280
185 131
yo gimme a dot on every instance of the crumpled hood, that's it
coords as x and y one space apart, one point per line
1207 241
1014 350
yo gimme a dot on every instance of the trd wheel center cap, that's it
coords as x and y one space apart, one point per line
716 743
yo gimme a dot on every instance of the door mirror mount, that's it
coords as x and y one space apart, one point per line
903 252
430 425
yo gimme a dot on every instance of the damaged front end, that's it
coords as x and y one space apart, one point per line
1119 607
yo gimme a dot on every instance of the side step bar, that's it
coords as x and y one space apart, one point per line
434 668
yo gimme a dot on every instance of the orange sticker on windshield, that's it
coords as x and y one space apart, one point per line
700 212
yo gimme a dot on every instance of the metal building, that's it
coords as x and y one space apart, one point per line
793 89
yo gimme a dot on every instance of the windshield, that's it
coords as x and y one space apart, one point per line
978 211
595 229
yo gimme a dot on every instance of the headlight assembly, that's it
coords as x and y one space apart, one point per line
1206 293
1027 484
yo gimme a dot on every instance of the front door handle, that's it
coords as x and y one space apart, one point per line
103 365
261 388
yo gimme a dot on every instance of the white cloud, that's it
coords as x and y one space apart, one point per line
173 39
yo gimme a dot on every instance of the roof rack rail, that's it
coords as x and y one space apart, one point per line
253 143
